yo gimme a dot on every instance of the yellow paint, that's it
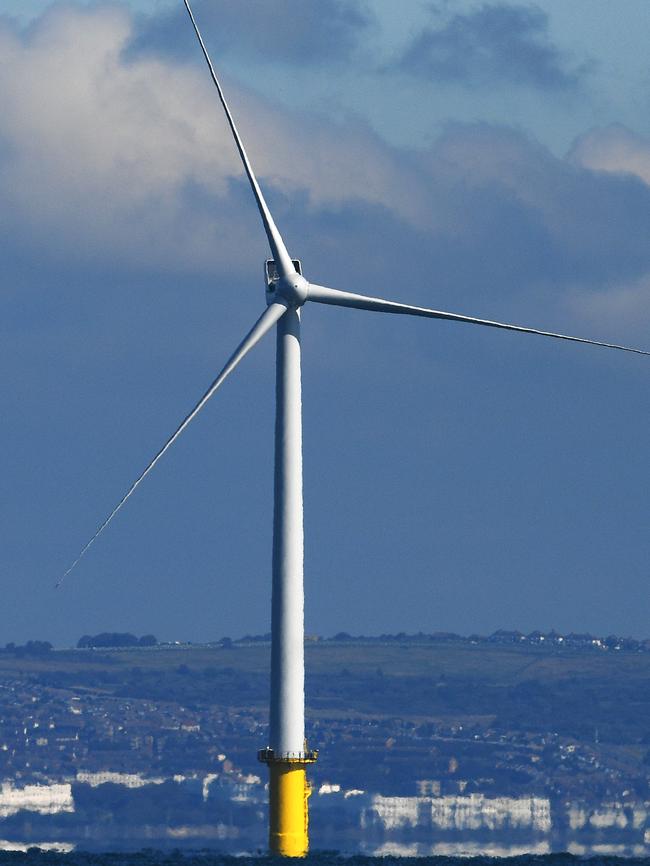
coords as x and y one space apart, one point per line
289 818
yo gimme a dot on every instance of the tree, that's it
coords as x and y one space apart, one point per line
108 639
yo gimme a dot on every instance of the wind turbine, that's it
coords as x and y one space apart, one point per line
287 291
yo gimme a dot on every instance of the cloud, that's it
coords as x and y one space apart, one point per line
493 44
308 32
128 163
590 220
624 155
102 153
613 149
626 305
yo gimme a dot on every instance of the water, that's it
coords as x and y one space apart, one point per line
36 857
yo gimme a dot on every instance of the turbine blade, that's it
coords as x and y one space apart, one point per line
278 249
335 297
269 317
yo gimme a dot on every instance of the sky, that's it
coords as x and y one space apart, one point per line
491 159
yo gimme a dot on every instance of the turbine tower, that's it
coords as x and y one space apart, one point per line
287 291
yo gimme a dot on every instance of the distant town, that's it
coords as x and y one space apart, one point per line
498 742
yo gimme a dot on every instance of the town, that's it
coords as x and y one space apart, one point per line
127 738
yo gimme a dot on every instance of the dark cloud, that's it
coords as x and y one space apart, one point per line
515 201
492 44
293 32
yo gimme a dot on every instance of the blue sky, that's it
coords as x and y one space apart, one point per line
487 158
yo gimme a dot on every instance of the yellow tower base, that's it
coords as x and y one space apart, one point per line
289 792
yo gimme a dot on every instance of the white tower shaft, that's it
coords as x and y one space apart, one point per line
287 717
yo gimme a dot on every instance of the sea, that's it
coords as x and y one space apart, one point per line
151 857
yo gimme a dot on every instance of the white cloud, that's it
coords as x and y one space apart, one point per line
99 152
623 304
130 161
613 149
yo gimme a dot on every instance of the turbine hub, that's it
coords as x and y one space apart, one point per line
292 288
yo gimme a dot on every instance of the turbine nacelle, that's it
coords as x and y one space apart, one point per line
292 288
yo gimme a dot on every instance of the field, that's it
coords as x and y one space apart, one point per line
570 691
